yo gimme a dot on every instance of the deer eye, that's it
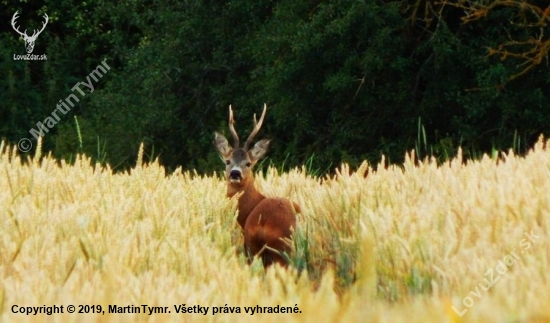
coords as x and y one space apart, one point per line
248 164
227 162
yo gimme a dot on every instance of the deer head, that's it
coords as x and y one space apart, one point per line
29 40
240 161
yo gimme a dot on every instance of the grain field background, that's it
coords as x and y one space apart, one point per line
466 241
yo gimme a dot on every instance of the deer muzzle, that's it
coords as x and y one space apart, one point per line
235 175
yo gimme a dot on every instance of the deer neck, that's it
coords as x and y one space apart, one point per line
247 201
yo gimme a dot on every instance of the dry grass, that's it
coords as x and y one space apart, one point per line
402 244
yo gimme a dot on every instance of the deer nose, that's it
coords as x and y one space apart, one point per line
235 175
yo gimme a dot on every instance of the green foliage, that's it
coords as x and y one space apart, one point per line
344 80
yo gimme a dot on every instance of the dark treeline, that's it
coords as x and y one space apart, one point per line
344 81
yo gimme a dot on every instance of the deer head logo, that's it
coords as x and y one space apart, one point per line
29 40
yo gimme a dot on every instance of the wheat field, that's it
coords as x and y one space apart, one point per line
466 241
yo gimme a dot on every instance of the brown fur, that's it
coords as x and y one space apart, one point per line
265 222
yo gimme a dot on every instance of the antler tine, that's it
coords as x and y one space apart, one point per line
232 129
44 23
257 126
14 24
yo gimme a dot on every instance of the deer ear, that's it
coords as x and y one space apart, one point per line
222 145
259 149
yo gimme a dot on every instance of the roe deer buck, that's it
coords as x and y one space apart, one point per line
265 221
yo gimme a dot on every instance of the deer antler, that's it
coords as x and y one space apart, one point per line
15 27
24 34
43 25
232 128
257 126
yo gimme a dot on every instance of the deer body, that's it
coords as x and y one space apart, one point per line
266 222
